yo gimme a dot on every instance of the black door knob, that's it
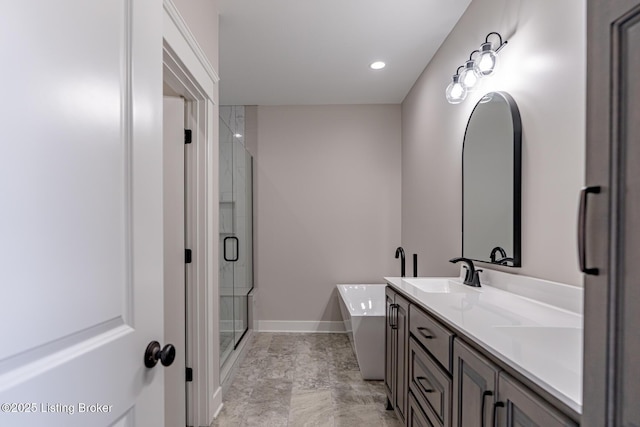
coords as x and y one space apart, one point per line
153 353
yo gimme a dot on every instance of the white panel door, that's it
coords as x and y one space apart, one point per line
81 212
174 258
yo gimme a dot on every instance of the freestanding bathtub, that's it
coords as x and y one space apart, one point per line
363 312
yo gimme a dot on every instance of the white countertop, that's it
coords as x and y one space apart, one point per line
540 340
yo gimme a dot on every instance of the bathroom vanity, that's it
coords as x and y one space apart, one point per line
506 354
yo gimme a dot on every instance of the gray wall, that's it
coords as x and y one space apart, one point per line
327 205
543 68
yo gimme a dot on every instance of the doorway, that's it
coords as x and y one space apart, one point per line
185 76
175 256
188 74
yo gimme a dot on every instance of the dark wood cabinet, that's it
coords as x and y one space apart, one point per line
611 237
485 396
517 406
434 378
389 347
396 346
475 381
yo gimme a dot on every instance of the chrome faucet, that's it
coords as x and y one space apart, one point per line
472 276
400 254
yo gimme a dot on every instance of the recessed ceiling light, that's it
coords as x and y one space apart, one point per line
378 65
238 135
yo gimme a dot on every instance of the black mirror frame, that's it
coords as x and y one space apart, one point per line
517 179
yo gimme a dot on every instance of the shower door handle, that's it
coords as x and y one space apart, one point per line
224 249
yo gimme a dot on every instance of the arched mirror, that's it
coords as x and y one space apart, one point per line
491 176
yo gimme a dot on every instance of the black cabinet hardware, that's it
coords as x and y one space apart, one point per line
425 333
485 394
427 389
582 225
495 412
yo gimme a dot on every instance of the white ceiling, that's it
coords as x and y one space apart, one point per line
298 52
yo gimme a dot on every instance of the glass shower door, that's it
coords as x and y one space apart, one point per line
236 239
242 250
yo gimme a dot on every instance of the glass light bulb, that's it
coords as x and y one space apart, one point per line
469 77
486 61
455 92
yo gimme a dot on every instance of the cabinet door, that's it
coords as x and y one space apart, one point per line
474 387
402 331
389 347
612 294
519 407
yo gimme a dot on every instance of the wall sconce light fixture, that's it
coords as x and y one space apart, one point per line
456 92
474 70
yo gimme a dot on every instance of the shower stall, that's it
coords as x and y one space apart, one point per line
236 231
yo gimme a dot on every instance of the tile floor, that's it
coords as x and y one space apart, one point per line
302 380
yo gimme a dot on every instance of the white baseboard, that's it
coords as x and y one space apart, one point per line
300 326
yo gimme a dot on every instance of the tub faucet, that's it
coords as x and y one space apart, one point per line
400 254
472 276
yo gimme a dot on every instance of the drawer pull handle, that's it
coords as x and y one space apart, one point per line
390 319
582 224
484 395
426 333
429 389
394 314
495 410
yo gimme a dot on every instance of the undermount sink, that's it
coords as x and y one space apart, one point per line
440 285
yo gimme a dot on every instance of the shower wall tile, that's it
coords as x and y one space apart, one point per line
226 115
226 217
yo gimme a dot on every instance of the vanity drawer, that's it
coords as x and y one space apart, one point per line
430 385
416 416
434 337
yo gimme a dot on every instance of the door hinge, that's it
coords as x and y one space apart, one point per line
187 256
187 136
189 374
